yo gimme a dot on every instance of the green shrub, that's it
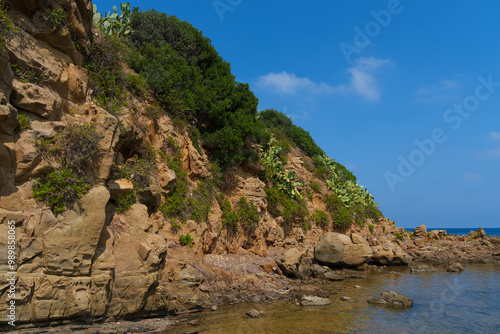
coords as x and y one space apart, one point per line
200 201
125 202
248 215
78 146
6 27
281 205
59 189
371 227
137 85
341 216
399 237
315 185
24 123
321 218
175 226
186 240
136 170
383 228
106 77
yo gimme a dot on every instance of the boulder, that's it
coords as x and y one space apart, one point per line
314 301
480 233
442 233
392 299
120 188
334 249
295 263
389 254
455 267
421 231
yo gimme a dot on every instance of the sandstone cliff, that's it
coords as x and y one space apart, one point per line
90 260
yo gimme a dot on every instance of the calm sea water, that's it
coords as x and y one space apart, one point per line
443 303
463 231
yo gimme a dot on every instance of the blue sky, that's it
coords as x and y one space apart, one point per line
405 93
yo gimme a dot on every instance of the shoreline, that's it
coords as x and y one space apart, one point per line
249 278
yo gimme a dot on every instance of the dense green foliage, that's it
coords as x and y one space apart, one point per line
321 218
194 83
281 205
60 188
341 215
113 23
245 215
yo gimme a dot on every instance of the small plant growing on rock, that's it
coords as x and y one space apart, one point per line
248 216
125 202
6 27
383 228
399 237
321 218
175 226
60 188
186 240
24 123
315 186
371 227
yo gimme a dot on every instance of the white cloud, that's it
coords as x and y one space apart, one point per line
471 176
492 153
362 81
442 91
494 136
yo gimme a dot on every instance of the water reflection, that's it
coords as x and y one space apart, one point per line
443 303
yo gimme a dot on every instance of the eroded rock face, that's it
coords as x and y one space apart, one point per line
421 231
389 254
295 263
337 250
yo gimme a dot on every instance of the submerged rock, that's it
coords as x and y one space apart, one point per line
392 299
455 267
253 313
314 301
421 268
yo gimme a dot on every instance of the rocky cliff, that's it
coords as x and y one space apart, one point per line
91 260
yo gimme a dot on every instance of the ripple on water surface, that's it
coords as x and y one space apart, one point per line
443 303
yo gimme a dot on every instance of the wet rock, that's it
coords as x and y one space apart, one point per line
314 301
421 231
346 299
421 268
333 276
318 271
392 299
455 268
253 313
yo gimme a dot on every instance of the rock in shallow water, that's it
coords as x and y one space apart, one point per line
314 301
455 268
253 313
421 268
392 299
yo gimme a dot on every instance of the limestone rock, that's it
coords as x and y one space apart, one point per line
245 182
167 179
392 299
295 263
421 231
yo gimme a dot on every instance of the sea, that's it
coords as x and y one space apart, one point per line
494 232
466 302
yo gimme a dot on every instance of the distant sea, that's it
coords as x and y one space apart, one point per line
495 232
